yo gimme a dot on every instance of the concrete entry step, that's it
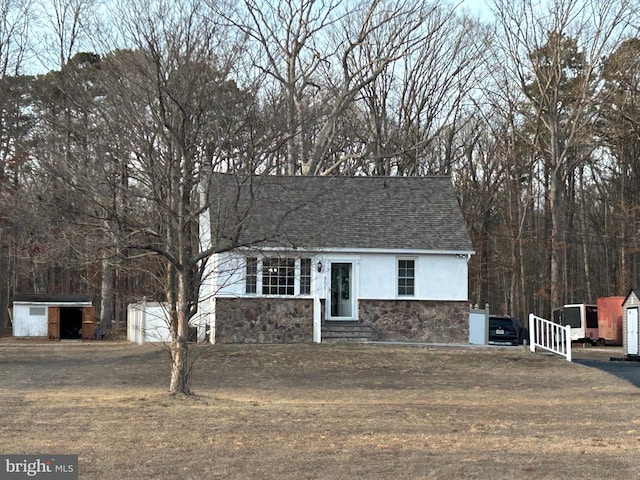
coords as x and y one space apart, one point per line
347 332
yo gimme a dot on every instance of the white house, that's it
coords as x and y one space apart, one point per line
388 254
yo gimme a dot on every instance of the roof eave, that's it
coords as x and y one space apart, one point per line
391 251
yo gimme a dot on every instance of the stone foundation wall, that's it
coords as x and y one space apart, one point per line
417 320
264 320
277 320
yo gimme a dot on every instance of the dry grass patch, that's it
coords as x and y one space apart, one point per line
319 412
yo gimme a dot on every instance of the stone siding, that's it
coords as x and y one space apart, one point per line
264 320
277 320
417 320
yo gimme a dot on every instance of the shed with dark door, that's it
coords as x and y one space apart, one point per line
53 316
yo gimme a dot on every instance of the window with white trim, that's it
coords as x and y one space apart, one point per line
251 278
305 276
278 276
406 277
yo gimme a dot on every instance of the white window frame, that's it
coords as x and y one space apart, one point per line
296 275
415 277
299 275
256 286
355 287
282 263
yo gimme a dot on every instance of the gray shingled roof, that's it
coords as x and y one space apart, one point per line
51 298
412 213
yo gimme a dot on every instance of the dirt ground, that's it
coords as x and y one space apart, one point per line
319 412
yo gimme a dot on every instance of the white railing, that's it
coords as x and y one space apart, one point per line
549 336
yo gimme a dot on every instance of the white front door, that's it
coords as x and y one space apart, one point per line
632 331
341 298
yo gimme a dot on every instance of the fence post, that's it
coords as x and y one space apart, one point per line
532 333
143 321
486 323
567 338
317 319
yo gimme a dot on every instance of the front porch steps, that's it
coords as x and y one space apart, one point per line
343 331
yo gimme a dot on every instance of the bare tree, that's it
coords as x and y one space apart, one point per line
173 98
14 26
62 31
553 52
287 37
416 106
619 183
318 55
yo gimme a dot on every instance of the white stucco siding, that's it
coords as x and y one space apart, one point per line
377 277
26 324
438 277
445 277
229 273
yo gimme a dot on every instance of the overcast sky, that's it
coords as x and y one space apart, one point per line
477 7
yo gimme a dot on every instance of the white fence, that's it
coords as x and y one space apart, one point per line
479 325
549 336
148 322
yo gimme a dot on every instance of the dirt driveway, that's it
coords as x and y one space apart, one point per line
319 412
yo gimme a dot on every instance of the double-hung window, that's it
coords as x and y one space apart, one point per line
251 275
406 277
305 276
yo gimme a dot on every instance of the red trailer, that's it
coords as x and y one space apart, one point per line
610 320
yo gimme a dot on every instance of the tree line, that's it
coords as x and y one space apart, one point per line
534 114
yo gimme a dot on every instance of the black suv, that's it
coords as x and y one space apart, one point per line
505 329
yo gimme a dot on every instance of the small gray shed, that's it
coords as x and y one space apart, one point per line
630 316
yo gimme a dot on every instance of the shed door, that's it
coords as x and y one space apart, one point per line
54 323
632 331
87 323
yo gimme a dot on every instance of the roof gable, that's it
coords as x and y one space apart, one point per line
635 292
409 213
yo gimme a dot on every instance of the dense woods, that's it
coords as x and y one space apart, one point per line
113 115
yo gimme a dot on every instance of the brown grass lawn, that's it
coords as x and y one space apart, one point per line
319 412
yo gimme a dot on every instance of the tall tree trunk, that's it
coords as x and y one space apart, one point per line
181 237
524 305
292 132
583 238
4 284
106 294
181 362
556 233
